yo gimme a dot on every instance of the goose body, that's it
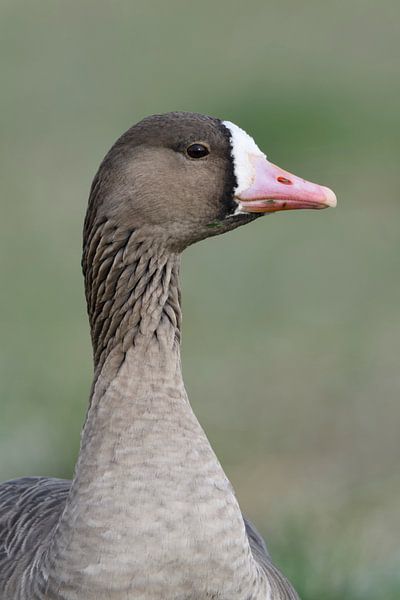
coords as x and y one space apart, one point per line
150 513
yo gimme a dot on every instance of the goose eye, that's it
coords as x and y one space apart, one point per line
197 151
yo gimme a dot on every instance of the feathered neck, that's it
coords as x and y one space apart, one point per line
132 292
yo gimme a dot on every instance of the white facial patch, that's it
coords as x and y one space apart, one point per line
243 147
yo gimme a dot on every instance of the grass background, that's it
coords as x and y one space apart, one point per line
291 325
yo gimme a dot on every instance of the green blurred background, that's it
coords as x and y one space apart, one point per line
291 325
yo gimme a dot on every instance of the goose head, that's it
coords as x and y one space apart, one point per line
182 177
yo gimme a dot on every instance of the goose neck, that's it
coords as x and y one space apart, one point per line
132 292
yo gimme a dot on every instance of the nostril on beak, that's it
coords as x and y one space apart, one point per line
284 180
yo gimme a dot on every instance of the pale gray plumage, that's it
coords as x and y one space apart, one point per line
31 509
150 514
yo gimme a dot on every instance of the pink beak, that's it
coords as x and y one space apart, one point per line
274 189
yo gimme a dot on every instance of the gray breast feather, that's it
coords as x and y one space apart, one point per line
30 509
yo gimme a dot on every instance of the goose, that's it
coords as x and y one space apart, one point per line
150 513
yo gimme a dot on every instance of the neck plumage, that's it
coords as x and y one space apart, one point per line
132 292
150 513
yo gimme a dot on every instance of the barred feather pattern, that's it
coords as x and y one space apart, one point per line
133 293
30 509
131 283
